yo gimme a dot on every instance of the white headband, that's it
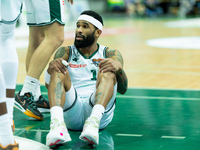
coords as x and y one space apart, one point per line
92 20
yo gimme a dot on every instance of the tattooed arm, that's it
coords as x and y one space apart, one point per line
61 54
114 63
56 64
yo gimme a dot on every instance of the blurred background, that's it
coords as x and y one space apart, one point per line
160 43
137 8
159 39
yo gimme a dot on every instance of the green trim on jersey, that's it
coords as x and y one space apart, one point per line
90 55
104 52
70 53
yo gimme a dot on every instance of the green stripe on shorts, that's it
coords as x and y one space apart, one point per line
55 10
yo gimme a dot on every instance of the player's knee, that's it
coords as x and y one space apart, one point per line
8 30
108 76
59 40
56 41
10 71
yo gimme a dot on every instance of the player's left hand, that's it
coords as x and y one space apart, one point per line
108 64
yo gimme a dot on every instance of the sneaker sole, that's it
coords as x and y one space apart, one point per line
59 142
89 139
44 110
27 111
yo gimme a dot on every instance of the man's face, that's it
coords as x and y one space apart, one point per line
85 34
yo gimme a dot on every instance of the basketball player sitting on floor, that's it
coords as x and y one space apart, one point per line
82 92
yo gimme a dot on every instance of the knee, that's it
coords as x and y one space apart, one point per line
108 77
8 30
58 40
56 37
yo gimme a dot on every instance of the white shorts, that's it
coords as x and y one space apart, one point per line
10 11
81 109
45 12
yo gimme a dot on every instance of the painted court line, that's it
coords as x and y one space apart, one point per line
34 130
152 97
173 137
135 135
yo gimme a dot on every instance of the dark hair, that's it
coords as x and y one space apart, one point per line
93 14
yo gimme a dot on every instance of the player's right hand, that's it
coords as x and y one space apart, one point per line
58 66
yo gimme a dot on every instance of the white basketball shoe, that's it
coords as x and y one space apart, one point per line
58 133
90 131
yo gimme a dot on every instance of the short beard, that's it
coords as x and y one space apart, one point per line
85 42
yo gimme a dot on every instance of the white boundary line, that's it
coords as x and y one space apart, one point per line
135 135
167 89
33 130
173 137
160 98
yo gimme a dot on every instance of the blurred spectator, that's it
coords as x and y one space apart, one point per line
185 7
165 5
152 8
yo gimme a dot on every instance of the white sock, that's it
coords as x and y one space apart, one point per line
57 113
30 84
37 92
10 106
97 111
7 135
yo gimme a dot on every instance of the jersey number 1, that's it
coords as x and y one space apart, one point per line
94 73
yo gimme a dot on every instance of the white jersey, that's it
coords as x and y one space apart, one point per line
84 71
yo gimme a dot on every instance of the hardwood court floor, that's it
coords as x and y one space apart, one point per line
160 109
146 66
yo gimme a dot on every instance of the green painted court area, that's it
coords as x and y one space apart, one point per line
145 119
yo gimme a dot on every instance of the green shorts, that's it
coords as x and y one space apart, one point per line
45 12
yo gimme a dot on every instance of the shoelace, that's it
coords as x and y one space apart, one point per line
56 124
94 122
42 99
30 100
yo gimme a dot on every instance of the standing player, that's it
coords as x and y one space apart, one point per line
82 96
10 11
46 34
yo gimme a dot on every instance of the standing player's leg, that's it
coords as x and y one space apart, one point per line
6 135
104 93
10 13
51 34
35 39
9 64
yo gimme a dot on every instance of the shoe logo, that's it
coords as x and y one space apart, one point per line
22 102
32 82
44 105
